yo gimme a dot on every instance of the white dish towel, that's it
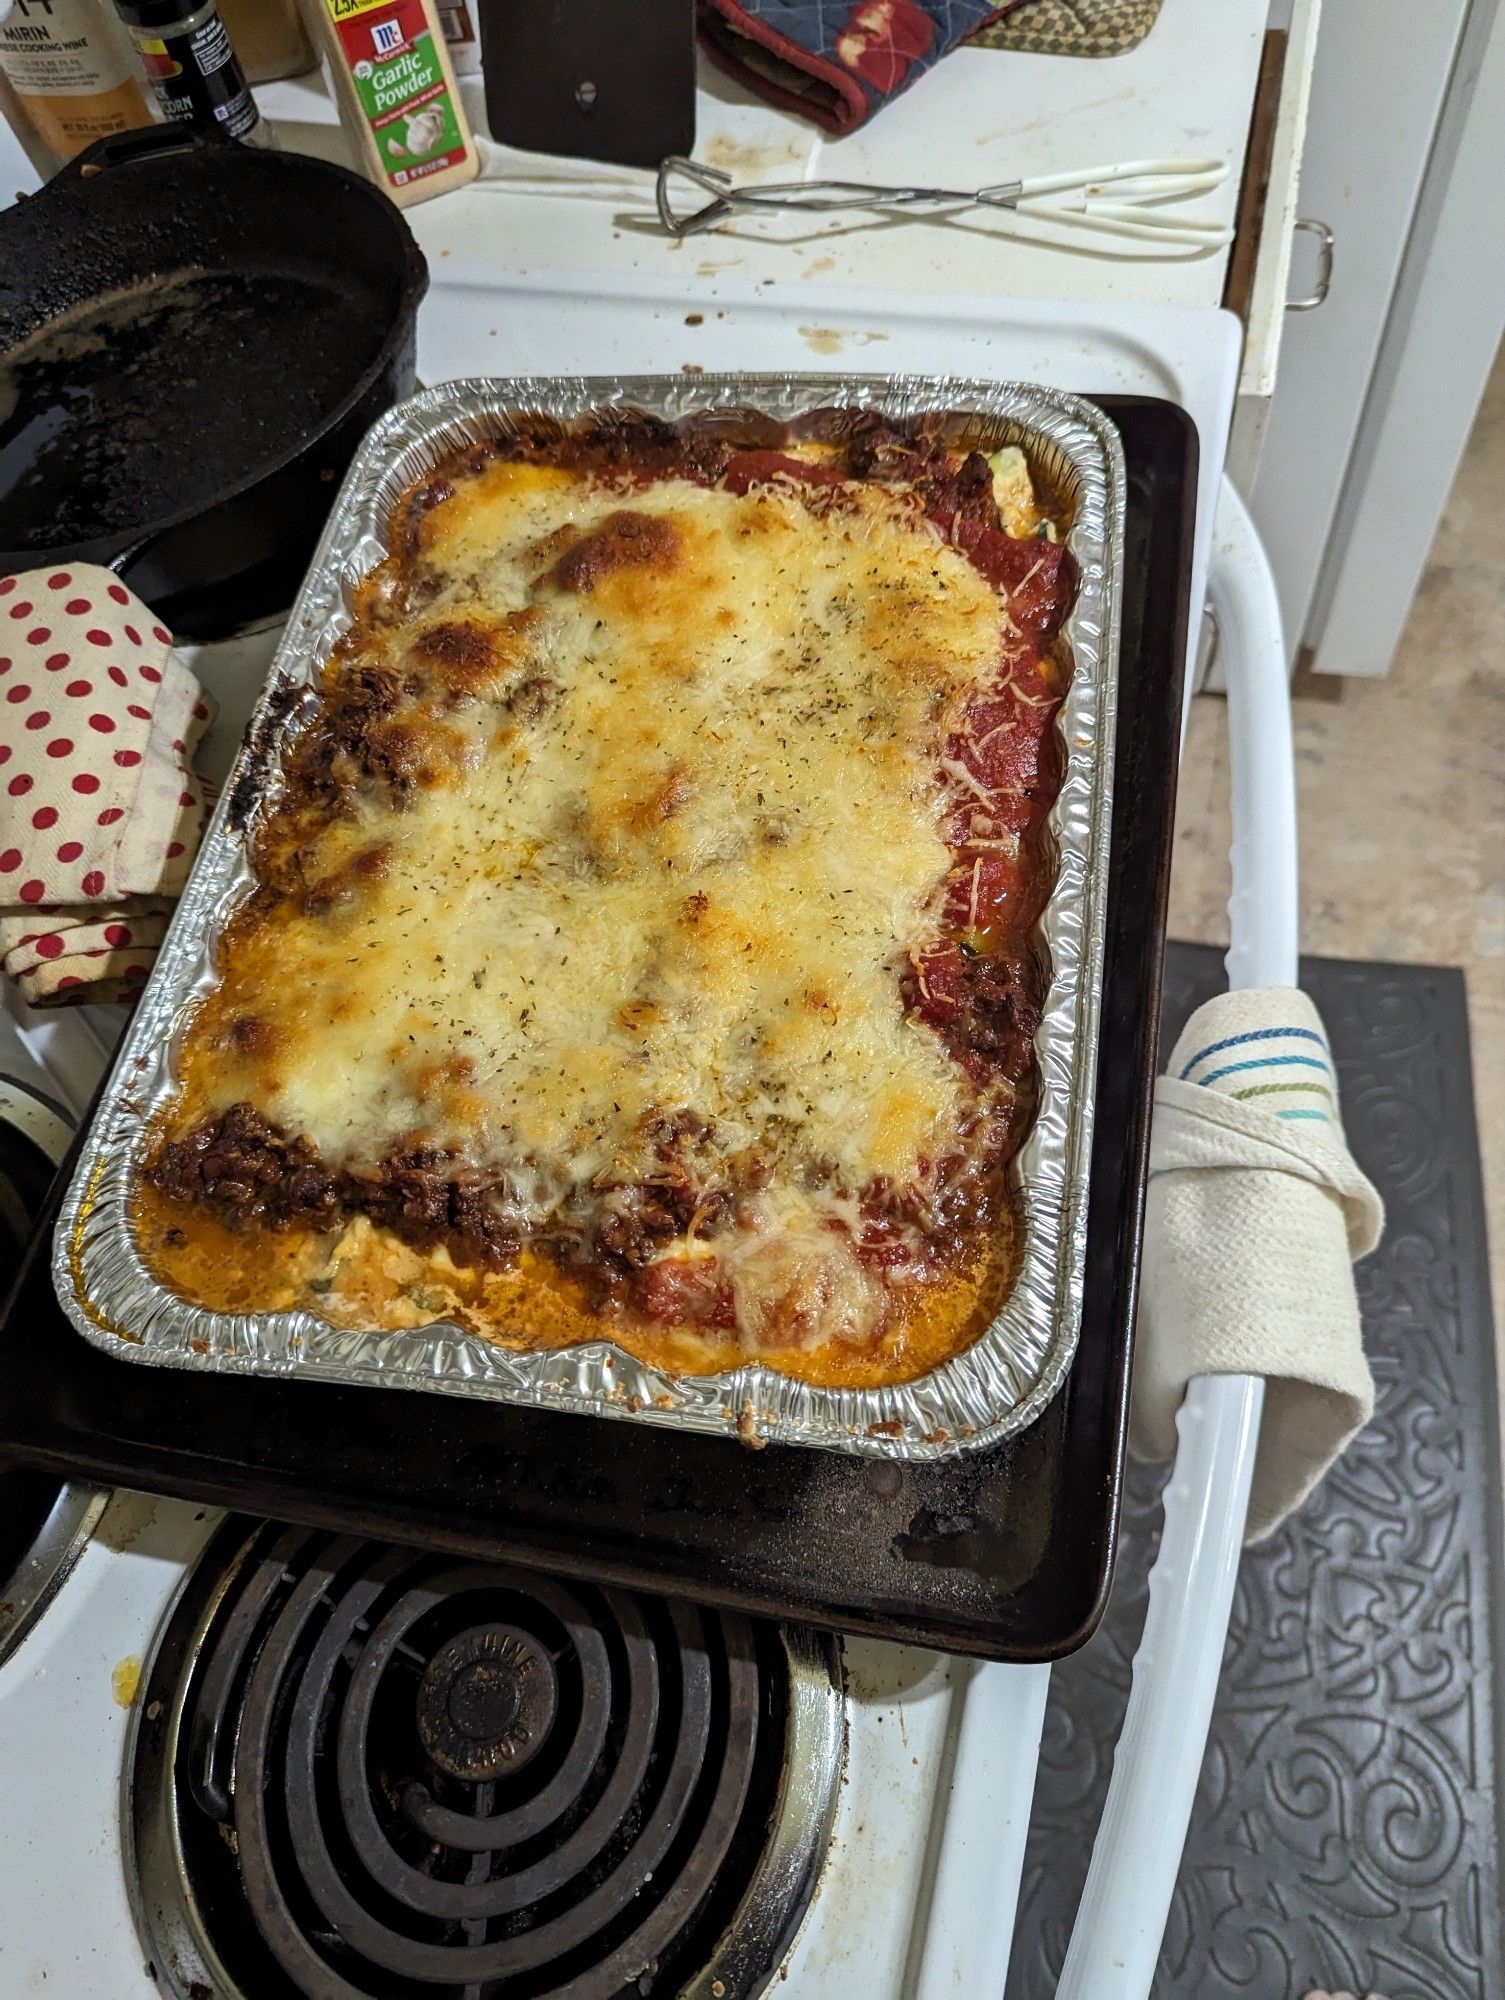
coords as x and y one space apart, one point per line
1255 1213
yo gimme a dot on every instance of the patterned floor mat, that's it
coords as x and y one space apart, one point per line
1347 1830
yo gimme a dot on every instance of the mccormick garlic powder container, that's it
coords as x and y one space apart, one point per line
397 94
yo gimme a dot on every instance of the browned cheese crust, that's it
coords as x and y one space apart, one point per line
644 938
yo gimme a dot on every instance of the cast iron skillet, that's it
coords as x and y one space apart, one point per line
227 440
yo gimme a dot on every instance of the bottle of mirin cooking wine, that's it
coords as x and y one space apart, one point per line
187 53
68 66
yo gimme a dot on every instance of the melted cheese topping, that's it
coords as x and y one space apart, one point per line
675 835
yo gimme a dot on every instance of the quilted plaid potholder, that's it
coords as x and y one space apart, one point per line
837 61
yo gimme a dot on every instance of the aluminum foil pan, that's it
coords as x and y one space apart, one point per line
1005 1379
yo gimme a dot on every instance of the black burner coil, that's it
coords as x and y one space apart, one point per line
400 1774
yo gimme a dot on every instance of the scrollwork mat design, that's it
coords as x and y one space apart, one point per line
1346 1833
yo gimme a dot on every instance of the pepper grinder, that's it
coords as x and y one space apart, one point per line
193 68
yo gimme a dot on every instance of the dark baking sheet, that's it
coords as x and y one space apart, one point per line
1347 1833
1001 1382
1005 1553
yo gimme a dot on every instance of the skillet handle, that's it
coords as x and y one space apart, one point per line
152 142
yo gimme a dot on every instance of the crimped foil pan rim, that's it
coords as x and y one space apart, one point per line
1002 1382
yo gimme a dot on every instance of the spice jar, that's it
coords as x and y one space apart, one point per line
188 55
398 98
269 38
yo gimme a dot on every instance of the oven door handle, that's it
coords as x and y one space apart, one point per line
1120 1922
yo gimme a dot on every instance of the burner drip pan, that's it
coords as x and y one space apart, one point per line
365 1771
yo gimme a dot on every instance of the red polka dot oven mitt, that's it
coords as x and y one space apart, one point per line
100 808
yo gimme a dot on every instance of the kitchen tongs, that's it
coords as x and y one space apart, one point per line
1117 200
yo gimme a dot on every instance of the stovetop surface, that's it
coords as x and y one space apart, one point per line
929 1752
1006 1553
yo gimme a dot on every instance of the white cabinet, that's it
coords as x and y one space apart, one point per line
1266 319
1378 389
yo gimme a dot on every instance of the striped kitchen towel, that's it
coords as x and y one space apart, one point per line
1255 1213
1238 1050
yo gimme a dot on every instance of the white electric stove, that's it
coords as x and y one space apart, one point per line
914 1870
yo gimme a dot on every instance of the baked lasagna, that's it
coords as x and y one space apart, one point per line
644 935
